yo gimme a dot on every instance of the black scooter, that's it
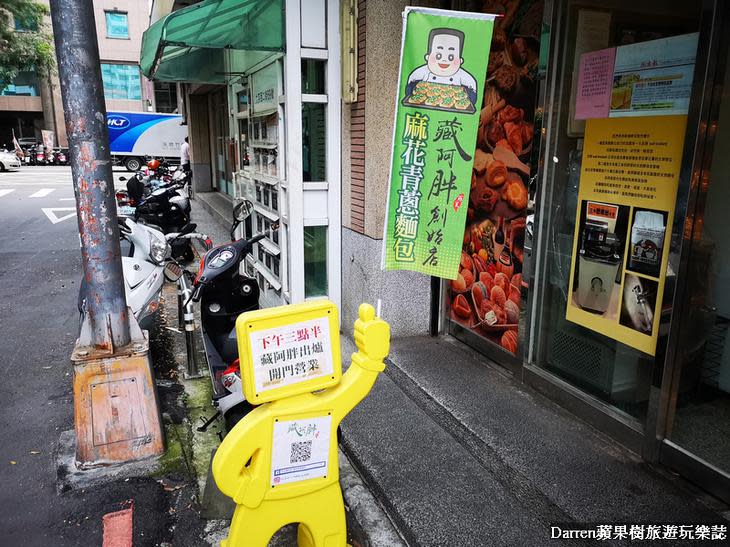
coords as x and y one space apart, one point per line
163 208
224 293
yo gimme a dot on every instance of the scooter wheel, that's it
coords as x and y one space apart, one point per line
237 413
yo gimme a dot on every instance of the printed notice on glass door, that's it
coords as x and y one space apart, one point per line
654 78
593 96
300 449
628 188
651 78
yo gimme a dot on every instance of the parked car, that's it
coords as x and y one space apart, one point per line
8 160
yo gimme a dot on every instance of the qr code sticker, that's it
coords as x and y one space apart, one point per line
300 452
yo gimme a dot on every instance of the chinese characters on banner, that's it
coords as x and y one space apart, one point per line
287 355
629 177
486 296
442 73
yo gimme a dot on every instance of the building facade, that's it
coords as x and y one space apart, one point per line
303 128
261 97
667 400
33 102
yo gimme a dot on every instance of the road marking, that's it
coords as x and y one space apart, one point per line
60 199
50 212
43 192
6 191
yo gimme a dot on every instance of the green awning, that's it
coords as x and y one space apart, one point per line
189 45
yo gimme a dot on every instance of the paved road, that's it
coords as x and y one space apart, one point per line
40 258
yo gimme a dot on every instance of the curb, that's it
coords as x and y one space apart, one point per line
375 528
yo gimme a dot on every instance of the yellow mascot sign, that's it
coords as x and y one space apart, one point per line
280 463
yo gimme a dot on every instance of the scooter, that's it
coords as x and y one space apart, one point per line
142 185
163 208
59 157
143 268
224 293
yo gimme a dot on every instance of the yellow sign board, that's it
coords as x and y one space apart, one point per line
288 350
279 464
628 188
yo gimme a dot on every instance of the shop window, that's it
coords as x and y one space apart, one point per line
313 76
117 25
276 266
258 192
121 81
267 193
275 200
165 97
315 261
584 272
259 224
242 100
25 84
261 253
314 142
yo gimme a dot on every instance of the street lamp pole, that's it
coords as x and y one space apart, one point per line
106 320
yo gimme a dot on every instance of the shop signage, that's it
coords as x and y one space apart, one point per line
629 177
288 350
48 139
264 84
442 72
486 296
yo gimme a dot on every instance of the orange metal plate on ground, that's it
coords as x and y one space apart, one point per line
115 410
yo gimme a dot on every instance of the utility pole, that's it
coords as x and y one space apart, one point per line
82 91
115 404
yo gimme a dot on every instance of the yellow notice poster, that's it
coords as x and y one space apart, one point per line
628 188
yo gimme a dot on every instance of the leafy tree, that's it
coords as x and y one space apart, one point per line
30 47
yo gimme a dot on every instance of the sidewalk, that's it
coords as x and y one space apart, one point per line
460 454
366 523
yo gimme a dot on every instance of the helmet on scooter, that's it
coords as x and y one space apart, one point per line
153 164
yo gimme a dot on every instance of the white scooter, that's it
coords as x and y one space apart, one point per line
143 269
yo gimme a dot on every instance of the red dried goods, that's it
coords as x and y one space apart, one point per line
509 341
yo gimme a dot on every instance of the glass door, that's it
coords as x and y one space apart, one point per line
221 141
698 421
602 182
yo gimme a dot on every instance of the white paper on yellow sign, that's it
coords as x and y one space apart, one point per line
300 449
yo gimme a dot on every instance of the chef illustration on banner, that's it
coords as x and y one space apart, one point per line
443 65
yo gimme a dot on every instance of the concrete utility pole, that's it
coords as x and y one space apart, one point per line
82 90
115 403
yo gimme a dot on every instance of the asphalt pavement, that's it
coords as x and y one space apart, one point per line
41 269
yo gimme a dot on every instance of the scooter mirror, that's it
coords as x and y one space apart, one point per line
172 271
242 211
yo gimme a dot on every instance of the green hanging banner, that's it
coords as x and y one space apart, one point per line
443 66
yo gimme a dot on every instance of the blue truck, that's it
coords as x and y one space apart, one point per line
136 136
